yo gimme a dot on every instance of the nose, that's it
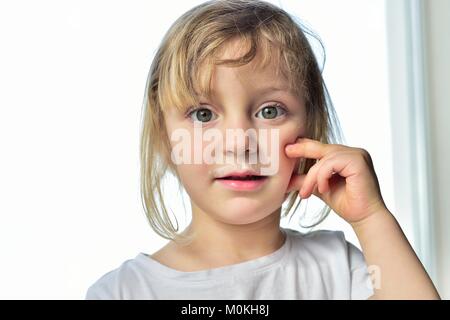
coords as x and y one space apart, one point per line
240 136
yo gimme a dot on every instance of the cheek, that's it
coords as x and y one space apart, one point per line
194 178
287 165
190 173
288 135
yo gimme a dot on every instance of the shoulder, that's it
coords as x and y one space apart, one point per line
326 246
330 252
114 284
319 241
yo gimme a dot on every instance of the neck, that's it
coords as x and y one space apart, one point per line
218 243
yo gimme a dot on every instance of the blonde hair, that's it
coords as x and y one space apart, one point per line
188 54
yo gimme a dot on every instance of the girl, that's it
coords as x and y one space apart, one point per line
230 66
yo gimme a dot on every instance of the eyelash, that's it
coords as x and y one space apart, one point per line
280 106
276 105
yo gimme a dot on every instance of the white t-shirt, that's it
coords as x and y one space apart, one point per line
317 265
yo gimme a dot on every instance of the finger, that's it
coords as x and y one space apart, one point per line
307 148
296 182
325 172
310 180
337 164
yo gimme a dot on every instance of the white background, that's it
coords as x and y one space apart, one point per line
72 84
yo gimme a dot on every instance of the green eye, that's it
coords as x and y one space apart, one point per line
202 115
271 112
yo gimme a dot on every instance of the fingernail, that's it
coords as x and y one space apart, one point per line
301 192
289 147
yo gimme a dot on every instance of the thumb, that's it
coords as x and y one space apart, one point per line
296 182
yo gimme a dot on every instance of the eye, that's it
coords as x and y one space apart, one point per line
271 111
201 115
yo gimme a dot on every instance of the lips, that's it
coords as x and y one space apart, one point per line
243 181
247 174
243 178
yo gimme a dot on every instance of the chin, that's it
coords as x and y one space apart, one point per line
243 211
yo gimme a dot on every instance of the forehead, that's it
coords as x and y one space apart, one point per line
260 74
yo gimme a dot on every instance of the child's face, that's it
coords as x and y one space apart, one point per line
237 103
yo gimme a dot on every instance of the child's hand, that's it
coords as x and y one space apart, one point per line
343 177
